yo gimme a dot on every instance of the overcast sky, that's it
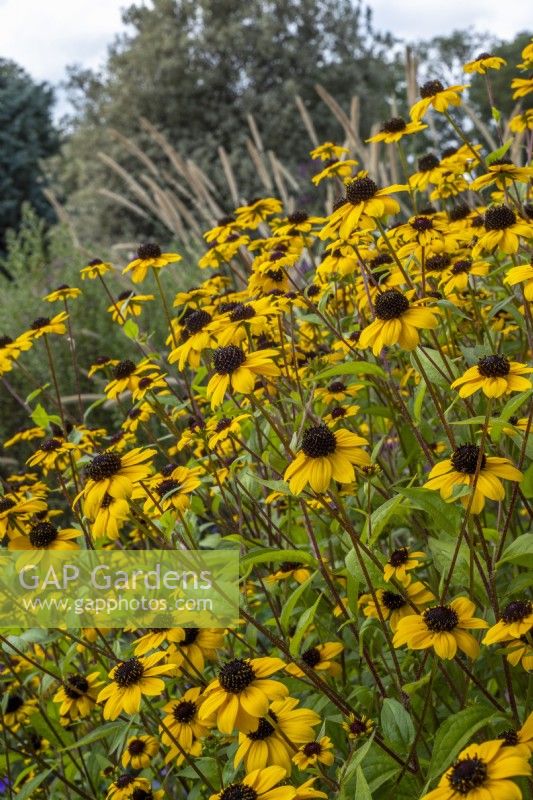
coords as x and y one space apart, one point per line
44 36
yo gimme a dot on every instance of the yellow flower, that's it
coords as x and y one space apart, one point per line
516 621
63 292
168 490
241 694
220 430
128 304
521 274
197 333
18 710
128 786
460 470
445 628
396 605
483 62
394 129
522 86
258 785
357 726
14 512
43 325
482 771
328 150
456 277
397 322
252 215
319 658
95 269
114 474
182 720
335 169
77 695
149 255
318 752
237 371
495 375
195 646
139 751
435 95
325 455
521 739
400 562
269 742
110 517
522 122
502 173
363 203
45 536
290 569
129 681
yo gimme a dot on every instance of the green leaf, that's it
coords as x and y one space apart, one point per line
396 723
354 762
362 790
28 788
131 329
495 113
436 368
42 418
443 516
99 733
520 551
354 568
274 556
351 368
501 151
380 517
419 401
303 623
37 392
514 404
454 734
290 604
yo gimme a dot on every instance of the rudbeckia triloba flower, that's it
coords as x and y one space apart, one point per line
182 720
63 292
363 203
521 274
357 726
460 469
444 628
435 95
128 787
139 751
400 562
395 605
483 771
253 214
495 375
290 569
272 741
95 269
45 536
502 173
237 371
318 752
149 256
241 694
397 322
325 455
130 680
43 325
516 620
320 658
394 129
521 739
522 87
503 230
258 785
483 62
115 475
17 710
77 695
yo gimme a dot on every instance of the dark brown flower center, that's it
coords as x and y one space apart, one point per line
242 312
394 125
516 611
393 601
336 387
422 224
128 672
438 263
459 212
123 369
238 791
197 320
227 359
465 458
428 162
360 190
191 635
498 218
136 747
390 304
440 619
289 566
357 727
297 217
185 711
312 749
166 486
467 774
14 702
509 737
493 366
6 503
318 441
311 657
431 88
399 557
264 730
75 686
40 322
104 466
464 265
236 675
42 534
148 250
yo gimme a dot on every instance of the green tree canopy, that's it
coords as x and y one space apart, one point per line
27 136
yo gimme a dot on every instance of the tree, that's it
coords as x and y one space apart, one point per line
197 68
27 136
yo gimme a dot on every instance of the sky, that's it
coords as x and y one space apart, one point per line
44 36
